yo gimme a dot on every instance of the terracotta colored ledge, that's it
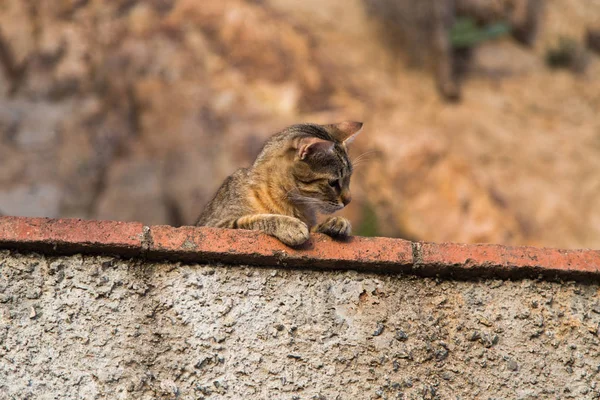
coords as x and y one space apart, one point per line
66 236
384 255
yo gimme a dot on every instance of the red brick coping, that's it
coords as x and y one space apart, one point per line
385 255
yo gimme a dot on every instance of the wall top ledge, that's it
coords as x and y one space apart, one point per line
378 254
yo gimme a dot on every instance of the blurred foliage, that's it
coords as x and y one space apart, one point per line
466 33
566 53
369 225
561 55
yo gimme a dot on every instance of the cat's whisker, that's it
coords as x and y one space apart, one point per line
362 155
268 196
288 194
362 158
309 201
360 163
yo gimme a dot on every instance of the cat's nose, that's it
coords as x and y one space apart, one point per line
346 198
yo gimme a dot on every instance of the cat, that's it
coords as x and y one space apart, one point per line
301 171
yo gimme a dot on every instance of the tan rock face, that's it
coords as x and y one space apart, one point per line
434 194
148 103
138 110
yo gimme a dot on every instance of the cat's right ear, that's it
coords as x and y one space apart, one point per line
311 145
347 131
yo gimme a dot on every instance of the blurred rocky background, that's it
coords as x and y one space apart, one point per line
137 110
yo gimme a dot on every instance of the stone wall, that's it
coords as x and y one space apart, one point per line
102 327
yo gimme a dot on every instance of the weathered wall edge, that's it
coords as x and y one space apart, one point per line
383 255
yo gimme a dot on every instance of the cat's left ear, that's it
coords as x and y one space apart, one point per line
347 131
311 145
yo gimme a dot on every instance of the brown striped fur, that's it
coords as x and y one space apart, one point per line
301 171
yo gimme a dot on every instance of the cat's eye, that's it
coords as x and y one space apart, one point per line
335 183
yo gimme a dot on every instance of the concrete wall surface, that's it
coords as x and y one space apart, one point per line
97 327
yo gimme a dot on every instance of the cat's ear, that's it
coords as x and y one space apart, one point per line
312 145
347 131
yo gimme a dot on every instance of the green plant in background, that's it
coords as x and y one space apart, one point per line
368 225
465 33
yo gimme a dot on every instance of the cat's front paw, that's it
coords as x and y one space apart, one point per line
335 227
293 233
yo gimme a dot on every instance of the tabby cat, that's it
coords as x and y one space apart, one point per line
300 171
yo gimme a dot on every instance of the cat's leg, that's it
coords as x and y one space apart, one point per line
289 230
335 227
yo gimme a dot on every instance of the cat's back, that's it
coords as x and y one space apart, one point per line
228 204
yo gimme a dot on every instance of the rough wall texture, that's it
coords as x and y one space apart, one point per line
100 327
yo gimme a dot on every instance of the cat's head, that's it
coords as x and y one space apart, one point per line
321 168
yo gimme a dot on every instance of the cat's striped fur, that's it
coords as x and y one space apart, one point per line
301 171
